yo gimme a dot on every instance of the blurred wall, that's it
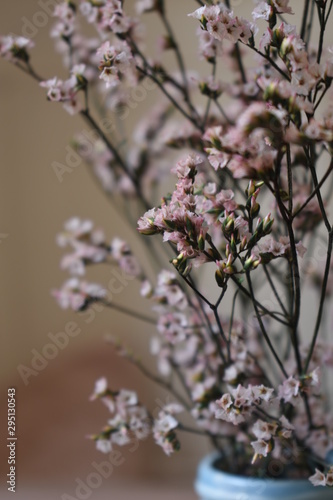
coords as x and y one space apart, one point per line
54 414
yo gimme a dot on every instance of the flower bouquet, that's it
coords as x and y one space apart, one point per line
242 244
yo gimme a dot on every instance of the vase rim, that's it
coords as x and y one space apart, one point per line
208 463
215 484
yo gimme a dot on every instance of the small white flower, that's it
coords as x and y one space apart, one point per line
146 289
261 449
318 479
104 445
264 430
127 398
165 423
101 386
173 408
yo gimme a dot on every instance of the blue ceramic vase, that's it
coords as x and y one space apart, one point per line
213 484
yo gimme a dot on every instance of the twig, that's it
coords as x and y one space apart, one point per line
169 96
287 217
262 327
327 86
317 190
238 54
223 113
180 60
290 180
314 192
304 19
270 60
329 12
310 23
259 305
33 73
121 163
321 15
327 265
210 98
151 75
231 320
161 382
127 311
271 283
196 291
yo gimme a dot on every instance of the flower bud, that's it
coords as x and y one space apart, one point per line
220 278
278 36
249 191
267 224
251 263
286 46
189 227
167 43
259 227
243 244
201 242
227 250
216 143
170 224
233 245
228 268
255 207
253 240
228 224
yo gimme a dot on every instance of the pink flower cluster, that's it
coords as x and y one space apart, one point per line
116 62
67 91
321 479
131 422
177 221
77 295
237 406
107 14
15 48
222 24
89 247
64 28
129 419
252 157
164 428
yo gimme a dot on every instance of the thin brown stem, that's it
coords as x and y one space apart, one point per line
321 16
180 61
259 305
160 381
209 101
314 192
128 312
262 327
271 283
121 163
271 61
169 96
304 19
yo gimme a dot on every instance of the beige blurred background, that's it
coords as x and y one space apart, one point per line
53 411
